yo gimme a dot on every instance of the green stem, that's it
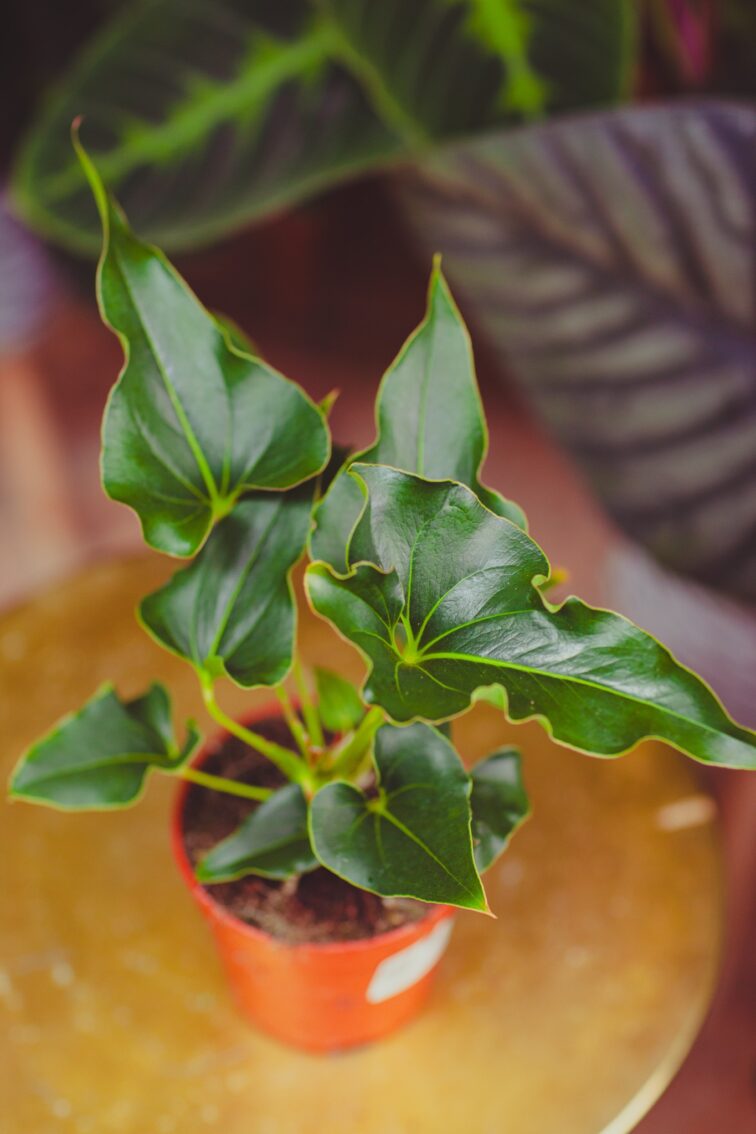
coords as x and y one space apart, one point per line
220 783
295 726
309 712
292 766
350 757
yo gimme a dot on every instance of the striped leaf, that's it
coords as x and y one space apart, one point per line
203 114
612 260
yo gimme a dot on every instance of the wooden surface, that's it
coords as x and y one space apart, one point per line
568 1014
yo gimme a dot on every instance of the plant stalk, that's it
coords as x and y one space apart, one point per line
220 783
309 712
293 722
350 757
292 766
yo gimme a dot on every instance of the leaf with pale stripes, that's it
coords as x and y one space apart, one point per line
205 114
612 260
442 599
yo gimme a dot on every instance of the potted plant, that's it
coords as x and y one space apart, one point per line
356 798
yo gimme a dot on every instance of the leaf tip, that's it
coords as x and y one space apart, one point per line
327 403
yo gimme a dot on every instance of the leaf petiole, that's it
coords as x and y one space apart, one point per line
292 766
350 757
309 712
220 783
293 722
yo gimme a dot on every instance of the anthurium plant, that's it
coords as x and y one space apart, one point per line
431 575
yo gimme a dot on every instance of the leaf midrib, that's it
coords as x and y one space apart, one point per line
160 143
181 415
147 758
243 577
581 681
389 817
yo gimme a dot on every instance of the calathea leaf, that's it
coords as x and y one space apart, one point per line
429 421
610 259
442 599
339 702
519 58
412 838
232 610
499 804
98 758
192 422
272 841
203 116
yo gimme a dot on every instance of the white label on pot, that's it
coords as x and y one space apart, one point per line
406 968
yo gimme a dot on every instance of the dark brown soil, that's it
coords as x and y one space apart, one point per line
314 907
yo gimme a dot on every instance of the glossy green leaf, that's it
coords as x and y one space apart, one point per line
412 838
339 703
205 115
429 420
192 422
609 259
499 804
272 841
232 610
98 758
443 600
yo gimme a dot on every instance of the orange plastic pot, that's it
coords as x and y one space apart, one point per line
322 997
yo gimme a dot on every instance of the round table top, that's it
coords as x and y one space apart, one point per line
569 1013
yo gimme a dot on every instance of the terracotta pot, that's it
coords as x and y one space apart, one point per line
322 997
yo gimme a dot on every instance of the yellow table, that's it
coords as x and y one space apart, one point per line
567 1015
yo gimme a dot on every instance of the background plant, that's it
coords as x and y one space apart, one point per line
431 575
207 116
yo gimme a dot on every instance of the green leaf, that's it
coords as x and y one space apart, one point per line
235 336
339 704
444 599
499 804
600 255
429 420
192 422
412 839
272 841
98 758
437 68
232 610
204 116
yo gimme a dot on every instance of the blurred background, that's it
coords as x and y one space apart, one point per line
588 172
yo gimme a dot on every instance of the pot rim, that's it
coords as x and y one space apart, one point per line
211 907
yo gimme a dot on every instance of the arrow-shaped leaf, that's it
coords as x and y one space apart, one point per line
232 610
192 421
272 841
429 421
499 804
445 602
412 839
99 757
